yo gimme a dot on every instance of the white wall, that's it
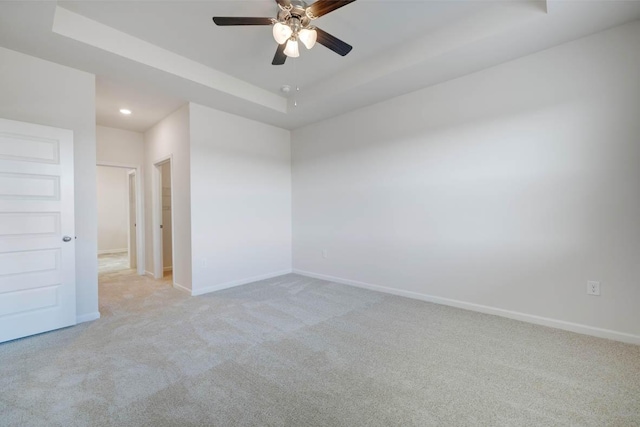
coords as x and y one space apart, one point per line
171 137
119 146
241 199
37 91
508 188
113 209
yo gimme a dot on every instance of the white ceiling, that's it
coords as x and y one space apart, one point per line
186 28
147 107
155 55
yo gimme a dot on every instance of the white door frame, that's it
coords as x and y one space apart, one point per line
132 174
156 197
140 250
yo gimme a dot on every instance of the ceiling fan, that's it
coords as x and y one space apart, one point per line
294 23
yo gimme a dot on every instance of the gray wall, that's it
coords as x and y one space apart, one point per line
240 199
506 189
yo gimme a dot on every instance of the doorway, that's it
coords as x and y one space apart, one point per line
120 222
163 247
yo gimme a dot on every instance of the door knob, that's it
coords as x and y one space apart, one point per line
66 239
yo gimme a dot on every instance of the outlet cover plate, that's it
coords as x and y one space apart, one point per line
593 288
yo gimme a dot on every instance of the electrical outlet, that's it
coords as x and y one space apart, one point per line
324 253
593 288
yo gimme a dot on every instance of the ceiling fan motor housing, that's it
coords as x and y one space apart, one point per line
296 13
292 24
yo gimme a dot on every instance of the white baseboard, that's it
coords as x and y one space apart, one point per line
181 288
112 251
239 282
168 268
87 317
149 274
529 318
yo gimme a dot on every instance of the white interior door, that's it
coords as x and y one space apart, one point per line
37 246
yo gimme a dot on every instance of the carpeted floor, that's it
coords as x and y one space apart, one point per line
294 351
108 263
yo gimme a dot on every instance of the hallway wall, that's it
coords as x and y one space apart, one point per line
119 146
113 209
171 137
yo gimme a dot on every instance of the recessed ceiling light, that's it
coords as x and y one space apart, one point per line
125 111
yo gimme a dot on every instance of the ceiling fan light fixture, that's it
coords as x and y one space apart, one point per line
292 50
308 37
293 23
281 32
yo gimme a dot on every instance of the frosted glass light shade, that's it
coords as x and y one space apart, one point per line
292 50
281 32
308 37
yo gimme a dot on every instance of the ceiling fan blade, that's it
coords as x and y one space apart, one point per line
284 3
333 43
280 57
232 20
322 7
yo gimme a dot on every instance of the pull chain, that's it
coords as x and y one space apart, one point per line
295 78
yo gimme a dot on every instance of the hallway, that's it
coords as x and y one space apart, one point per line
122 289
113 262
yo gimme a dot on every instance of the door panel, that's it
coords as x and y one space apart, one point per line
37 269
16 263
26 148
29 224
30 299
22 186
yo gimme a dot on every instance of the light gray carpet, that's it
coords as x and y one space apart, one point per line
294 351
109 263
